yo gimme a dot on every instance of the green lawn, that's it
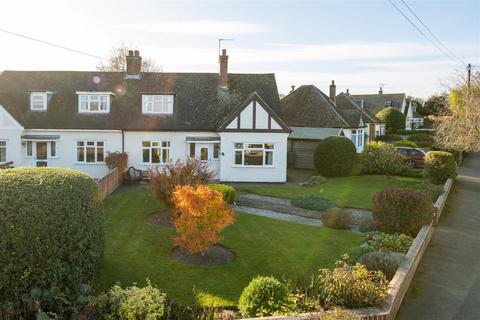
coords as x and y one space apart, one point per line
353 191
135 250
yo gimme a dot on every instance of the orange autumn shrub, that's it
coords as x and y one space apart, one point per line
201 214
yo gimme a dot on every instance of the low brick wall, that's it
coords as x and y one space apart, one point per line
400 283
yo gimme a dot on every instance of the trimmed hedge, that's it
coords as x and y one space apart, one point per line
228 192
405 143
264 296
440 166
422 139
335 157
382 158
51 230
394 119
401 210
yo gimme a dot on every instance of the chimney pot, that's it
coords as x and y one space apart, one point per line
134 65
348 92
380 91
223 75
333 91
293 89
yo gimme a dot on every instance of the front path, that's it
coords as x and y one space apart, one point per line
447 282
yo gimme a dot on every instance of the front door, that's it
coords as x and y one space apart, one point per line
209 152
41 154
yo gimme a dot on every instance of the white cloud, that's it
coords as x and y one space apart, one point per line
200 27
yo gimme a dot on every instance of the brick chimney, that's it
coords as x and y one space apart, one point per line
333 91
223 75
348 92
134 65
380 91
292 89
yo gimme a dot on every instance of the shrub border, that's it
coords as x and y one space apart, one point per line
400 283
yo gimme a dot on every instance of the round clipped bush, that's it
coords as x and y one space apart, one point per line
382 158
394 119
264 296
405 143
440 166
335 157
398 210
51 230
228 192
337 218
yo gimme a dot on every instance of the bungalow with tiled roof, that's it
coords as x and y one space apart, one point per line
313 116
73 119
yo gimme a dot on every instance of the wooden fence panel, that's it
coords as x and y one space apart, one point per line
109 183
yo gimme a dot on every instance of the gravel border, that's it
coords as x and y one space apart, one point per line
280 216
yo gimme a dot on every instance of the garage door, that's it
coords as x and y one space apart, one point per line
303 153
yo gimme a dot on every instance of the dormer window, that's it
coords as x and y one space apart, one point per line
38 101
388 103
94 102
157 104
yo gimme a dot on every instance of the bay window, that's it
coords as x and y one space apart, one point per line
253 154
155 152
90 151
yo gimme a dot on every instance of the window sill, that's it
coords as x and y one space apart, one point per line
89 163
242 166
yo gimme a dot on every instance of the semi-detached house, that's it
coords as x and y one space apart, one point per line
73 119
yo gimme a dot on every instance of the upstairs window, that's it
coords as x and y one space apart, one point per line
157 104
38 101
94 103
388 103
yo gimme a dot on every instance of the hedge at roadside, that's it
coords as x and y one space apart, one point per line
228 192
51 230
440 166
335 157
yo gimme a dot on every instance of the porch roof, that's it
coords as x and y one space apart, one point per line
40 137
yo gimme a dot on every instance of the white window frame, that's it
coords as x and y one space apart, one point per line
87 96
3 146
166 102
85 146
357 137
43 95
161 145
245 147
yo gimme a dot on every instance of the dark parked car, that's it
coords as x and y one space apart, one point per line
415 157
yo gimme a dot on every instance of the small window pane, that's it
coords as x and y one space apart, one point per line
3 151
192 150
269 158
204 154
90 154
238 157
216 150
80 154
268 146
29 148
145 144
155 155
166 155
146 155
155 144
238 145
100 152
166 144
53 149
255 146
253 157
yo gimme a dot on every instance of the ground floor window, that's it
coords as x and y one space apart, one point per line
357 137
90 151
253 154
154 152
3 151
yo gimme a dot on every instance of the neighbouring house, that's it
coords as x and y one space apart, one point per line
375 103
313 116
73 119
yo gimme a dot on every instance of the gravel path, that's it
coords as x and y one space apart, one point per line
280 216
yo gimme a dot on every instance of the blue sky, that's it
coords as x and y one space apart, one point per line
359 44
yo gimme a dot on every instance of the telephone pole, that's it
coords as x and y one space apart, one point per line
469 74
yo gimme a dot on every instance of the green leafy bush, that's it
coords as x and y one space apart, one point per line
398 210
422 139
366 224
228 192
389 138
382 158
313 202
337 218
335 157
314 181
386 262
394 119
405 143
133 303
388 242
263 296
51 230
353 254
351 287
440 166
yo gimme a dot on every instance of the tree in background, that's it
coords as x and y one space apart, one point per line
394 119
117 61
459 129
435 105
201 215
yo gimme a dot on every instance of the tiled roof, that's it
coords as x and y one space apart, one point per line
375 103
